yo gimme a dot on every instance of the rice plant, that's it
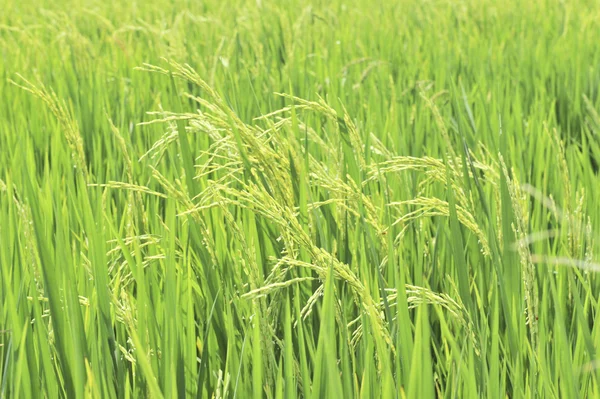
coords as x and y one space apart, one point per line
389 199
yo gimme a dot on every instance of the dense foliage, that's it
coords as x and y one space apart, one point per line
299 199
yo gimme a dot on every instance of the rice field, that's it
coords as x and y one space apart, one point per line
299 199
